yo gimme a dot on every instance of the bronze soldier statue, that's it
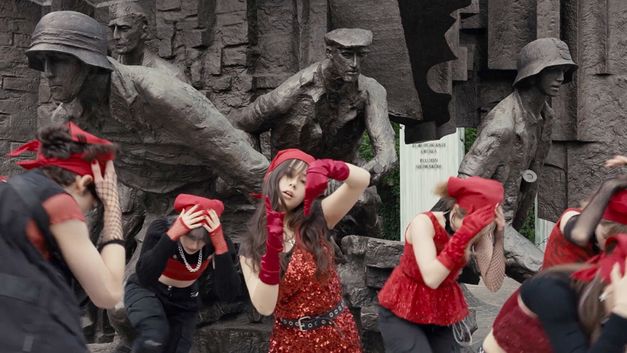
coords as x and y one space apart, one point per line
128 26
514 138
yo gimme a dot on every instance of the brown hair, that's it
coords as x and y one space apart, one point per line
56 142
590 310
441 190
310 231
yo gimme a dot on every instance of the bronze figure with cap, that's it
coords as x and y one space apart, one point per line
128 26
325 108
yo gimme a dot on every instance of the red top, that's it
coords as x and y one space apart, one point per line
408 297
560 250
176 270
301 293
512 329
60 208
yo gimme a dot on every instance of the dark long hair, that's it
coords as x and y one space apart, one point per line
311 231
56 142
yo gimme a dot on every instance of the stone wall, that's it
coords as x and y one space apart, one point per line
18 83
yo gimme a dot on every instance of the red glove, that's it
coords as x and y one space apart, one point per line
178 229
218 242
269 272
318 174
453 255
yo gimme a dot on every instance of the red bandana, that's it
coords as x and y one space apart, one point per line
284 155
475 192
184 201
616 210
75 163
602 264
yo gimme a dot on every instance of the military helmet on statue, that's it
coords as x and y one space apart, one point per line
542 53
72 33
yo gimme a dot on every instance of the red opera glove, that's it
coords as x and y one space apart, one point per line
453 256
318 174
218 242
178 229
269 272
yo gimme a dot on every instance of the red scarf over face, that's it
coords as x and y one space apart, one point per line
602 264
76 163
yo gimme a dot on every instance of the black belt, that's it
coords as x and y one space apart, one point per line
306 323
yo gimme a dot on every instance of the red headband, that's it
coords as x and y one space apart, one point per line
616 210
76 163
474 192
602 264
284 155
184 201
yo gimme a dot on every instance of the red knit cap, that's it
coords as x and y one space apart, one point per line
474 192
287 154
76 163
616 210
185 201
602 264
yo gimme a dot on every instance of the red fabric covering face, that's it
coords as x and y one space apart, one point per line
475 192
407 296
616 210
601 265
513 329
177 270
185 201
560 250
76 163
287 154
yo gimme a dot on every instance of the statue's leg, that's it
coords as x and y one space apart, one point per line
523 258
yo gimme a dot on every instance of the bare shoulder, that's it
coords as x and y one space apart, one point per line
420 226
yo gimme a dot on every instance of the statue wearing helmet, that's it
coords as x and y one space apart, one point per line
514 138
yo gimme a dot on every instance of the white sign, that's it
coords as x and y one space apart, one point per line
422 167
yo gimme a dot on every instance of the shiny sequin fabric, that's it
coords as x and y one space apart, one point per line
408 297
560 250
513 329
302 294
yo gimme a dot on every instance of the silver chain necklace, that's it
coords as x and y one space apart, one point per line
187 266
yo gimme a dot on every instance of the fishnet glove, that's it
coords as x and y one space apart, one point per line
107 189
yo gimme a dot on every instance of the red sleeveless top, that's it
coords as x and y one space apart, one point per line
560 250
408 297
512 329
301 293
176 270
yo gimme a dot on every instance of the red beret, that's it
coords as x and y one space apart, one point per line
475 192
616 210
284 155
602 264
185 201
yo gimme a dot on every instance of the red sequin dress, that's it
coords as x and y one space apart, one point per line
560 250
302 294
408 297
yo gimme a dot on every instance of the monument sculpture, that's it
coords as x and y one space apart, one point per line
514 138
325 109
128 27
171 137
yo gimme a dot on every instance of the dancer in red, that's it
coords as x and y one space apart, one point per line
579 235
576 308
421 299
45 246
288 261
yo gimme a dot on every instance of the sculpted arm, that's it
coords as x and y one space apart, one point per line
489 150
380 132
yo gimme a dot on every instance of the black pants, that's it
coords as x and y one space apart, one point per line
402 336
163 316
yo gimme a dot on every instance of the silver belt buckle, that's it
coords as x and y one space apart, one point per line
300 323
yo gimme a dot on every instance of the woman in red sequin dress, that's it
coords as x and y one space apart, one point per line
421 299
288 261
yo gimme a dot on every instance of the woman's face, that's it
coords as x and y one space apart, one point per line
193 241
292 188
83 192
